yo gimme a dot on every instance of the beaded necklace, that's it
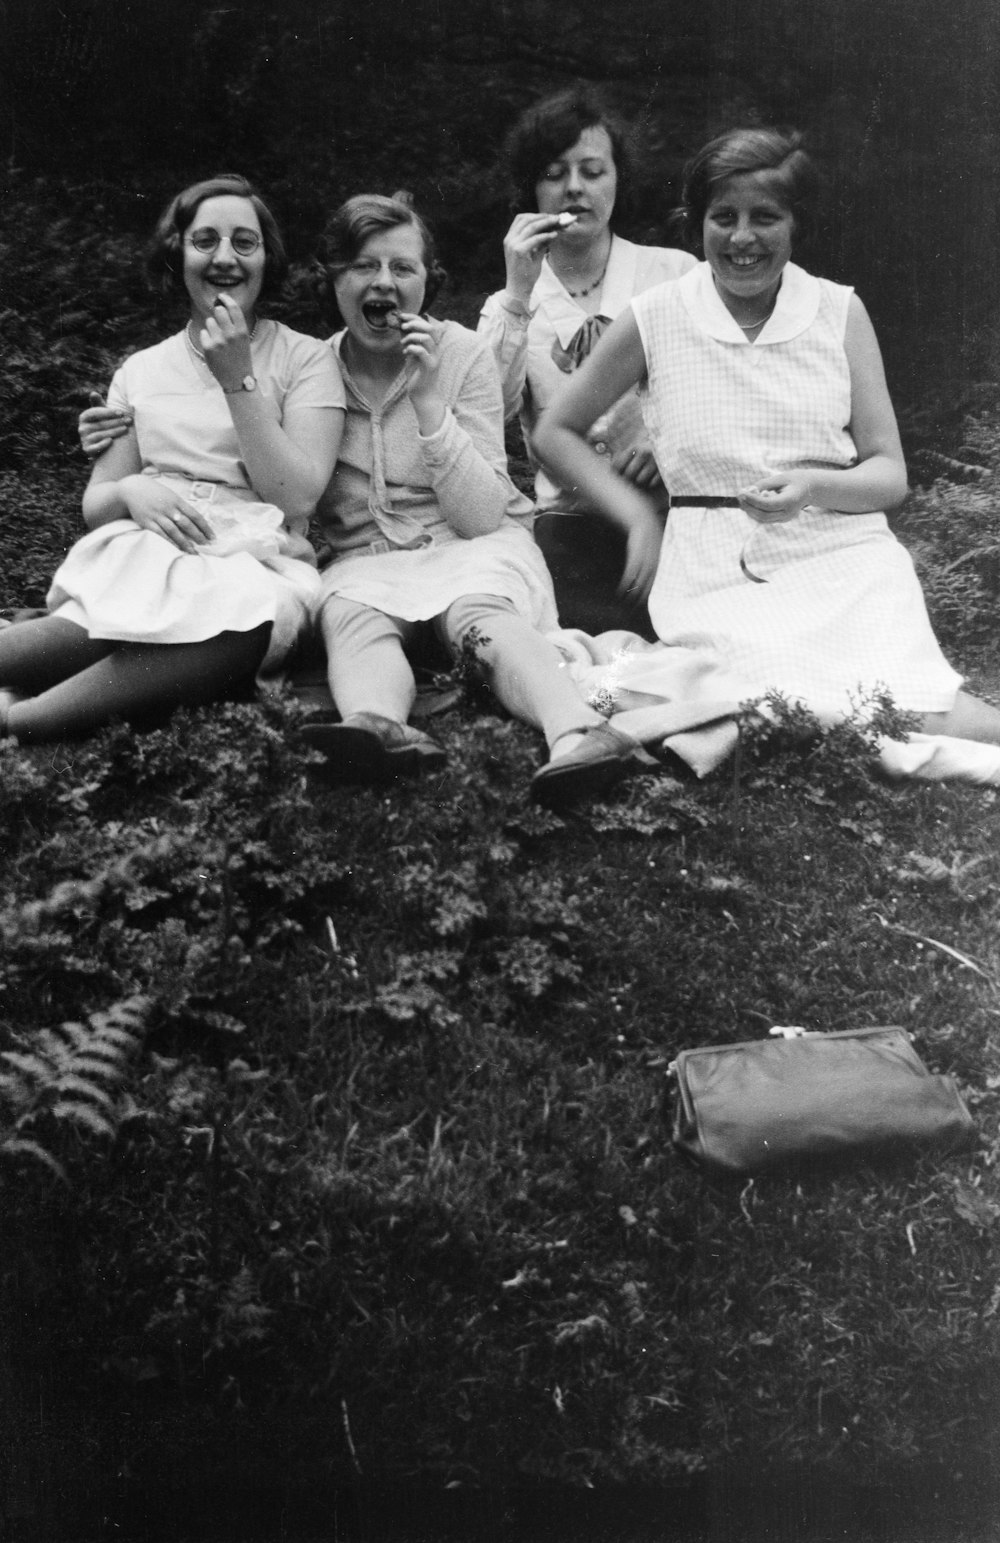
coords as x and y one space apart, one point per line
580 294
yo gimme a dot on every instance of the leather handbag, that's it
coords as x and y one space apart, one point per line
806 1099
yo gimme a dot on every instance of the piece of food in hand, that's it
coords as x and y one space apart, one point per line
566 218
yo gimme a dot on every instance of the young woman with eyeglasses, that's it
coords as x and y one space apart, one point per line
196 572
425 527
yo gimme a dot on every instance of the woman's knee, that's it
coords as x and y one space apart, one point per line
346 624
473 611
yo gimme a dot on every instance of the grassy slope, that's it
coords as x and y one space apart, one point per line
428 1174
408 1205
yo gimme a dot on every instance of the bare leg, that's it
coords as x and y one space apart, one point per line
970 718
136 679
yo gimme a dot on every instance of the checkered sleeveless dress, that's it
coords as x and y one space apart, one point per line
841 613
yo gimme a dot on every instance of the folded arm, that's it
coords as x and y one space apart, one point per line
117 490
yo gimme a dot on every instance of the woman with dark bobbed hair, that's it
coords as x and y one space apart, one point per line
197 572
423 522
568 277
766 402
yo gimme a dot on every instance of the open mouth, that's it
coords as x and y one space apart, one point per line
382 315
746 261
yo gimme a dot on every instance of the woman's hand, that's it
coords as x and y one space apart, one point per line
637 464
98 426
422 352
158 507
642 552
525 244
225 342
776 498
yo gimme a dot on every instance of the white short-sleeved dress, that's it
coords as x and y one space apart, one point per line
841 612
127 584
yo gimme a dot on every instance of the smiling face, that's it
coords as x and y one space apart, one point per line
582 181
747 234
224 270
387 276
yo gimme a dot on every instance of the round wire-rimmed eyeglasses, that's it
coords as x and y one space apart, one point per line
243 242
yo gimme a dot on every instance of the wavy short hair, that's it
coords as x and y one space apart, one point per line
363 216
165 260
742 151
548 128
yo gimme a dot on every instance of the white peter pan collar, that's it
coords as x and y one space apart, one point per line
561 310
795 308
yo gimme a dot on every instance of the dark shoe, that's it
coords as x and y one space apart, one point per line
369 748
599 760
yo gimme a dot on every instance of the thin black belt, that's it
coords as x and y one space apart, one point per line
703 501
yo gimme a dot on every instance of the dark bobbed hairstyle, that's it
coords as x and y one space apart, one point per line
741 151
165 261
350 226
552 126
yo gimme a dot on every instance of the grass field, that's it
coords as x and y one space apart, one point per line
358 1103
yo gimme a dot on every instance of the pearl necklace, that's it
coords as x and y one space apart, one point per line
196 350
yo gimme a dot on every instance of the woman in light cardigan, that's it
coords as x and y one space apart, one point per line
422 519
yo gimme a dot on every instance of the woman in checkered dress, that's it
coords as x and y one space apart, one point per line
766 402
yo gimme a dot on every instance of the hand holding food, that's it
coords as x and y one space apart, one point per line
775 499
525 244
423 361
224 342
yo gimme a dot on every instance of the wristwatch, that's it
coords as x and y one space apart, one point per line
248 383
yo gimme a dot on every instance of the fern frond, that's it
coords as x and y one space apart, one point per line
21 1146
71 1082
79 1113
126 1018
95 1063
28 1065
72 1074
52 1043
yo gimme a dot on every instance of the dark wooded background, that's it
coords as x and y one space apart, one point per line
317 99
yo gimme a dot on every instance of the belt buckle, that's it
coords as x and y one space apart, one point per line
206 491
